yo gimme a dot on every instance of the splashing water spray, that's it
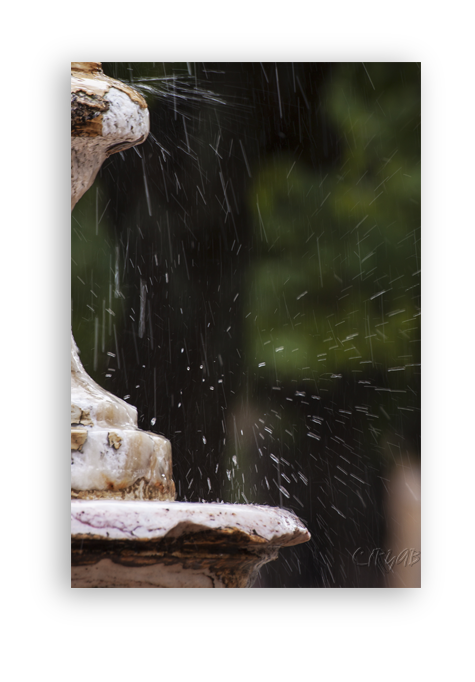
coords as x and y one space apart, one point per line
127 529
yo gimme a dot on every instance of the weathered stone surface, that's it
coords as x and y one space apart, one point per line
111 457
178 544
107 116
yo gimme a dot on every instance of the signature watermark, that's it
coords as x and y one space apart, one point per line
384 559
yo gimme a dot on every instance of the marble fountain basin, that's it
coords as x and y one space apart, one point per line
122 543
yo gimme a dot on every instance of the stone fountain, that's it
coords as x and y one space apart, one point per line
127 530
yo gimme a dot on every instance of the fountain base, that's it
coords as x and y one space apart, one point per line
111 458
176 544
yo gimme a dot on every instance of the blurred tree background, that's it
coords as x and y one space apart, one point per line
249 279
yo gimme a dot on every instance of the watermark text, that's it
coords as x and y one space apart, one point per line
385 559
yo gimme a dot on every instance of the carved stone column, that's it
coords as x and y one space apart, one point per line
110 456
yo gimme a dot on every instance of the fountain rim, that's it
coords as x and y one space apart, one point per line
155 520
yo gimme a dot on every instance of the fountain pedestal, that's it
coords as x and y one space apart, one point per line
126 529
176 544
110 456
